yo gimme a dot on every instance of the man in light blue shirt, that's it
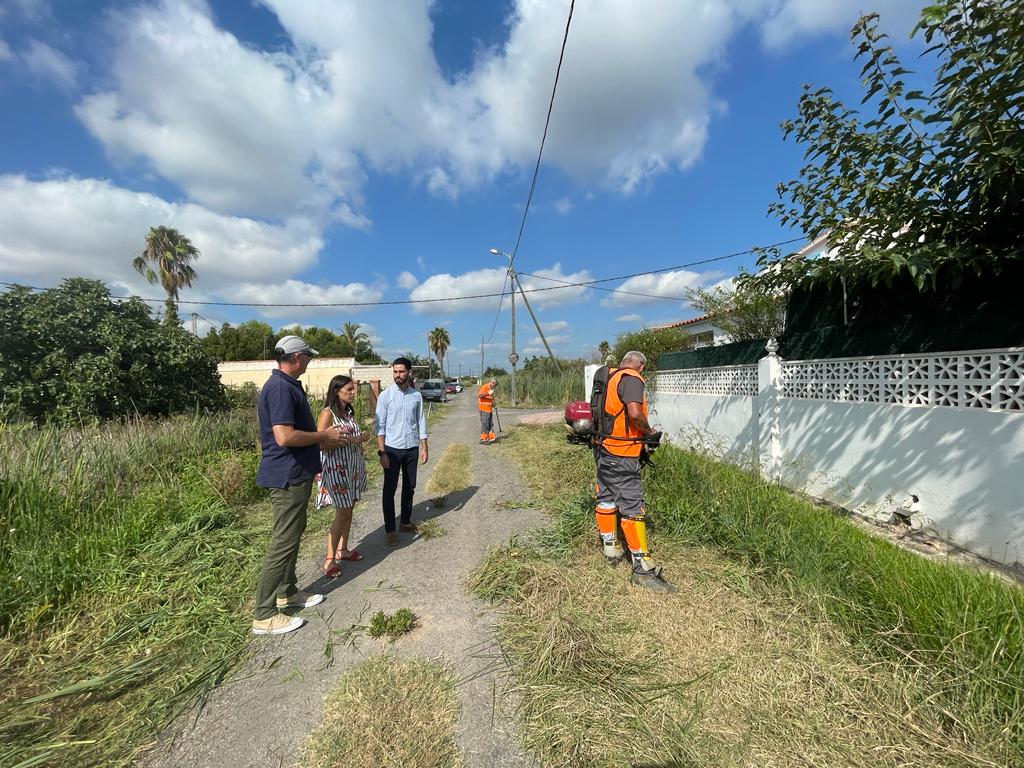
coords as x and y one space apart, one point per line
401 439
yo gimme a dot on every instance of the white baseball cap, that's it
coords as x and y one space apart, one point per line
289 345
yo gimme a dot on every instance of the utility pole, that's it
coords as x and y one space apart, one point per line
195 324
430 360
481 356
551 354
513 357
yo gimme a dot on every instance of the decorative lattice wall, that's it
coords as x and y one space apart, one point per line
725 380
991 380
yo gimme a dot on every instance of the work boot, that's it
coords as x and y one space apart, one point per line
612 562
651 580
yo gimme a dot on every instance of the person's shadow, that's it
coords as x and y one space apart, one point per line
375 548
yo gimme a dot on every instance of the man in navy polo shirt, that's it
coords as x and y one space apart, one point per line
290 460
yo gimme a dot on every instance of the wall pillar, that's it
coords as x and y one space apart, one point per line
769 433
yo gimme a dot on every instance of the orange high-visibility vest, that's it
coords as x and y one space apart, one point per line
623 438
485 398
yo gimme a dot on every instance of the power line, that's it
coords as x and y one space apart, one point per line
566 285
497 314
543 138
672 269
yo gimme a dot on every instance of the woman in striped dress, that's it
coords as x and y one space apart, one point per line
342 480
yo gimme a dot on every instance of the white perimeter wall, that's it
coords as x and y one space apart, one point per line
965 464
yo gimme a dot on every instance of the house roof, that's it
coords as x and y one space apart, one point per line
683 323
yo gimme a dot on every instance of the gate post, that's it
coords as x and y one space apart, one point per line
769 434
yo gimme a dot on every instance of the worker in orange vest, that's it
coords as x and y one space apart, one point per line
485 403
620 493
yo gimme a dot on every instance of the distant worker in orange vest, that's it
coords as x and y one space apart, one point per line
485 402
620 493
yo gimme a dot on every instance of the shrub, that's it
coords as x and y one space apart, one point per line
73 354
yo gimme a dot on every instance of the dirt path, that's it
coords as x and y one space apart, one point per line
264 714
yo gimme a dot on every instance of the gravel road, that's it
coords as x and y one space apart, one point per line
262 716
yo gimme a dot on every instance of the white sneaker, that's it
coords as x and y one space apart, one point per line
278 624
299 600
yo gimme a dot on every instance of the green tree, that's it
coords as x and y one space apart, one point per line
653 342
167 259
251 340
923 183
745 314
74 354
353 336
439 341
604 351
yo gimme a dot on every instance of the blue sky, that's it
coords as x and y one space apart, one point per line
333 151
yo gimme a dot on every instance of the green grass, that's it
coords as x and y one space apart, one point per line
453 472
388 713
126 577
392 626
932 647
431 529
540 390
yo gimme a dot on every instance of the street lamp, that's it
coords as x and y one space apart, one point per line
513 358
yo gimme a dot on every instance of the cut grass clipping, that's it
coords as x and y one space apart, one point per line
453 473
431 529
394 626
794 639
388 713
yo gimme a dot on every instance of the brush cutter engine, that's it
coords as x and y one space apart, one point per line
579 423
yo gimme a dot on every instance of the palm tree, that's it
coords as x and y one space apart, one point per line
439 341
352 336
167 258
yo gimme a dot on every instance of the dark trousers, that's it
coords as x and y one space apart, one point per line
277 578
404 460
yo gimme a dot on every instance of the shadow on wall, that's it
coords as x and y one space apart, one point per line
965 466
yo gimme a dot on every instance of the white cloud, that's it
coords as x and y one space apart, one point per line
790 19
5 52
563 206
555 326
407 281
667 284
628 319
490 281
63 227
36 11
296 131
298 292
234 127
47 63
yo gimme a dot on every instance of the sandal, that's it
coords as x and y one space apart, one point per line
353 554
331 568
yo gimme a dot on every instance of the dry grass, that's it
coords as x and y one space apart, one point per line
388 713
454 471
735 669
726 672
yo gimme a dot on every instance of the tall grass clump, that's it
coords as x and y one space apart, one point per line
958 631
63 497
129 553
540 389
